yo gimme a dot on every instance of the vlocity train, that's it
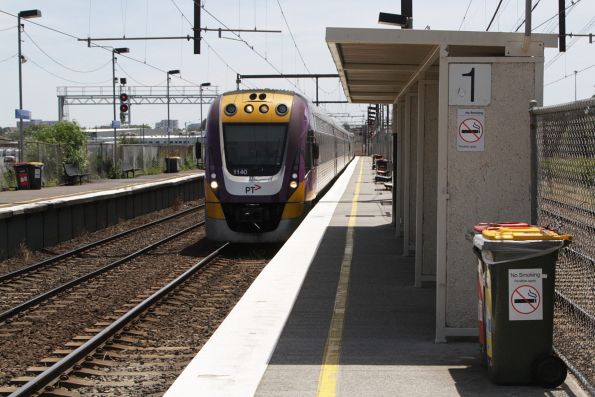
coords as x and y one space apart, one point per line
268 156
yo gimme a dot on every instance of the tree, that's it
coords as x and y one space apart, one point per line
70 137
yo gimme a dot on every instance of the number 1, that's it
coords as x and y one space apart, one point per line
472 75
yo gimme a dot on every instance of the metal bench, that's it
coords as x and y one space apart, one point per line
72 173
127 169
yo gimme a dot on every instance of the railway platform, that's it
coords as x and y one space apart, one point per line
42 218
336 313
15 198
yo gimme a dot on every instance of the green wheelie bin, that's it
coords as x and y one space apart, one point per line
517 275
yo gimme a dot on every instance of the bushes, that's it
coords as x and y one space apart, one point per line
70 137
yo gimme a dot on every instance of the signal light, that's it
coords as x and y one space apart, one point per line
124 107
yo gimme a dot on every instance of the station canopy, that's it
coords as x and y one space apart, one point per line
377 65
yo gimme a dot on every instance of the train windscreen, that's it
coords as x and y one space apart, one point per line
254 149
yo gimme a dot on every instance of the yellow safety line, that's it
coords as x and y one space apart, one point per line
329 371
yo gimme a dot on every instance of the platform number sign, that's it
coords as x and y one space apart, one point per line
469 84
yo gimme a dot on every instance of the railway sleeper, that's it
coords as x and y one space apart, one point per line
61 392
86 372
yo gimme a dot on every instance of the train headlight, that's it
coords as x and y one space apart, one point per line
230 109
294 175
213 175
282 109
248 108
293 184
263 108
214 185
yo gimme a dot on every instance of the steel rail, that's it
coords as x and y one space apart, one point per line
82 351
48 261
46 295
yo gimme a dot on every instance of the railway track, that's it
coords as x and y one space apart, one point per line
139 347
77 251
49 330
30 285
58 375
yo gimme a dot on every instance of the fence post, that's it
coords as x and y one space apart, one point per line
534 159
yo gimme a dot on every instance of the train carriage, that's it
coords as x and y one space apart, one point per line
268 155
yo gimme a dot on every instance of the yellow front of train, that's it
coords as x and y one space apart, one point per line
254 168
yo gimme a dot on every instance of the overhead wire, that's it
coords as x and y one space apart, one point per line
251 47
109 49
568 75
63 78
555 15
524 19
9 58
293 38
60 63
8 28
129 75
572 42
465 16
494 16
296 45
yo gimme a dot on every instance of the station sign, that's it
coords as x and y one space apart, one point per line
22 114
469 84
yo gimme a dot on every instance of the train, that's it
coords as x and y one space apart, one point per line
268 156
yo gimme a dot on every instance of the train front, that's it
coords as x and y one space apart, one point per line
254 171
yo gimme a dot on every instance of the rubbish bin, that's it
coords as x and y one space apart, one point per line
172 164
21 171
516 275
35 175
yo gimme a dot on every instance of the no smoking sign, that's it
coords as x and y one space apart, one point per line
470 130
525 291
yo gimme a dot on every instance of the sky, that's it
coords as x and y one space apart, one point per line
57 60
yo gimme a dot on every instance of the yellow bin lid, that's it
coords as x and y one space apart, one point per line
523 233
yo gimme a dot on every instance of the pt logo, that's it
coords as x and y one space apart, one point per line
252 189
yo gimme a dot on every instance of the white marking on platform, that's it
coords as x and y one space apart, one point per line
234 359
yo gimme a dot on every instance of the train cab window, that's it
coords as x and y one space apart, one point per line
254 149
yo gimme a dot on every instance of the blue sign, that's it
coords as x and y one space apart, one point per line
116 124
22 114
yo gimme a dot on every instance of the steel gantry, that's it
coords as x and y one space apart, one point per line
143 95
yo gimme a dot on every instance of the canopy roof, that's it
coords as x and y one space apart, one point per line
377 65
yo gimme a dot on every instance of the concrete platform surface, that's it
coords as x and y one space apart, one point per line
335 313
19 197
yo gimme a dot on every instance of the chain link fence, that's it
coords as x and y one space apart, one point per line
564 152
148 159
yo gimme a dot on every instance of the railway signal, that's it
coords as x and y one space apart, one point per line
124 107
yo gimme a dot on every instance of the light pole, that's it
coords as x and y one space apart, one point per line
169 73
201 87
122 50
26 15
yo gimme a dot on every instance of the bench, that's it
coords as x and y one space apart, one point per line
72 172
127 169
